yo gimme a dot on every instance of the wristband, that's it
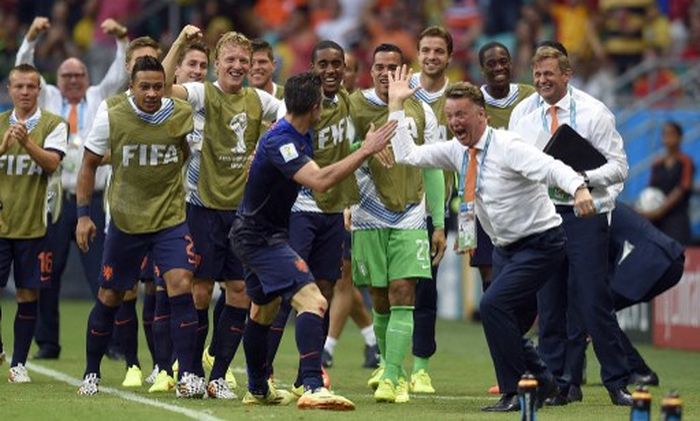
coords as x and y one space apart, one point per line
83 211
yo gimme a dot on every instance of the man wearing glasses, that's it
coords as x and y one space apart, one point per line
76 101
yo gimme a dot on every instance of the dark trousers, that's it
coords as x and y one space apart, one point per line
635 361
61 235
578 298
519 271
425 311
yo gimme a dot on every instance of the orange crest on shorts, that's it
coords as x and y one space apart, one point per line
107 272
301 265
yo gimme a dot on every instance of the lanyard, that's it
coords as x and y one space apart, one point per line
65 111
465 159
572 112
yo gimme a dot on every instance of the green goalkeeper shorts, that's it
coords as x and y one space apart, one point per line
383 255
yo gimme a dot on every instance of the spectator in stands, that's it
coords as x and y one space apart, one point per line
622 24
673 174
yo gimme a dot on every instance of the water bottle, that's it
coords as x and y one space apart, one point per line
527 393
598 204
671 407
641 404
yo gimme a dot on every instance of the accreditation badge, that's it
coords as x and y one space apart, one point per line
466 226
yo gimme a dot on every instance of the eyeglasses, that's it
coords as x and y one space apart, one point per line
72 75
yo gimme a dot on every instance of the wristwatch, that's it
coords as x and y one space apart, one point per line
585 178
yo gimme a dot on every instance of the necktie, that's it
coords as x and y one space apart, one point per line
470 177
73 118
555 121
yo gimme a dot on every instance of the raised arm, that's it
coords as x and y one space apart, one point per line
187 34
25 55
436 155
116 76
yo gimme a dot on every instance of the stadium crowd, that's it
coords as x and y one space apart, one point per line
174 160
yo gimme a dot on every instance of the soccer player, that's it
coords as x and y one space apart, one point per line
146 202
262 67
316 228
434 55
347 299
391 250
31 148
76 101
259 237
502 179
216 174
126 320
191 66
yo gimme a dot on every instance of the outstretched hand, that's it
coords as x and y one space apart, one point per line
376 140
399 89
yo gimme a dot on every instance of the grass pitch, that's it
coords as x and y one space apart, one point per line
461 372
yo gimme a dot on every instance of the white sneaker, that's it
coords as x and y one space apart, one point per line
19 374
219 389
89 385
152 377
191 386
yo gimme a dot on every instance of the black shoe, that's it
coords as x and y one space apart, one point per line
546 389
371 356
114 354
326 359
575 394
558 400
508 403
646 379
47 353
620 396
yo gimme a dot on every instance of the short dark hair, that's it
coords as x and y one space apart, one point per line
466 90
141 42
675 126
489 45
260 44
387 48
553 44
437 32
326 44
193 45
24 68
146 64
302 92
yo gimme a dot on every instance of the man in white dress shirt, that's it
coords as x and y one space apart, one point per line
583 275
512 204
76 101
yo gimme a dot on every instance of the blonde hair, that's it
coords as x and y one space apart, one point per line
234 38
544 53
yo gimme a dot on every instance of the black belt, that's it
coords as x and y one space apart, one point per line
564 208
519 243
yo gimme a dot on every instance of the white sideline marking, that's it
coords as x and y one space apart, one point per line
129 396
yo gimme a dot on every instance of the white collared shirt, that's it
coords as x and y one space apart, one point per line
51 99
511 197
593 121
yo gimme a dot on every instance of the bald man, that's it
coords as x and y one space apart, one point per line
76 101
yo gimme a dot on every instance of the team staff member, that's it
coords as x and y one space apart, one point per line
31 148
501 177
216 175
146 202
583 276
274 271
76 101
